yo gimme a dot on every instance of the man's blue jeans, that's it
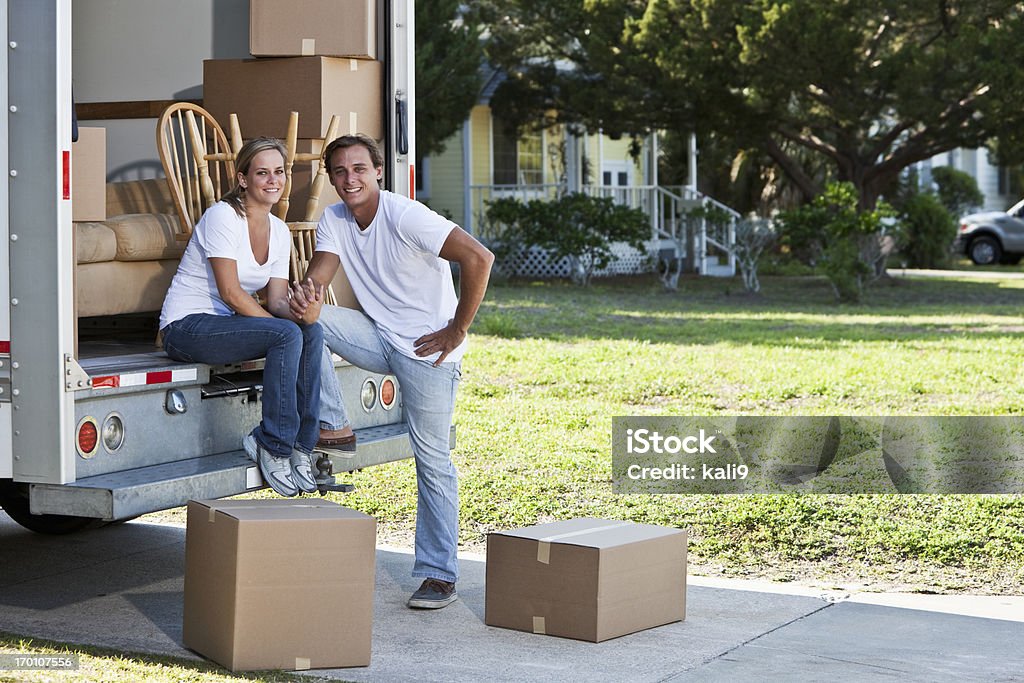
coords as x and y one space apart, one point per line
291 373
428 401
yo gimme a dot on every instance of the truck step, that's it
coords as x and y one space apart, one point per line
129 493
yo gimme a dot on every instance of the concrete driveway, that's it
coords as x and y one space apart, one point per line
121 587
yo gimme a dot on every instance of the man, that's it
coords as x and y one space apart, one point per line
396 254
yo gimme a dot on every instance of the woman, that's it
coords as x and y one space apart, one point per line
210 314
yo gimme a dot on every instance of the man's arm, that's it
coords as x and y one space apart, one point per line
475 262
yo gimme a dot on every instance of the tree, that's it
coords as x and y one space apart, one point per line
871 86
448 58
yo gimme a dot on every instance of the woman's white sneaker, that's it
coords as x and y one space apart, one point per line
302 471
277 472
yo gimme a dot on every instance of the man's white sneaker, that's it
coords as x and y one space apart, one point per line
302 471
277 472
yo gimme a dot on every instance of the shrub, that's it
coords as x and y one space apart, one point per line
958 191
577 226
844 243
753 237
927 231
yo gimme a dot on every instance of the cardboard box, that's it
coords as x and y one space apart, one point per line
263 92
302 179
299 28
279 584
89 175
589 579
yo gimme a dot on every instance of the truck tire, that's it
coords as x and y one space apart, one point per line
14 501
985 251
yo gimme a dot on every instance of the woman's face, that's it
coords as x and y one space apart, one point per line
265 179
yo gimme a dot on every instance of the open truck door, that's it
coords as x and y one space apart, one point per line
96 423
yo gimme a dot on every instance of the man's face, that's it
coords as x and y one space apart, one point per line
354 177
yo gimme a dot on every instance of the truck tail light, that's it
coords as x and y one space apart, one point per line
87 437
368 395
113 432
387 393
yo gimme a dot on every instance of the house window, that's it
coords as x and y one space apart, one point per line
531 159
518 159
1009 180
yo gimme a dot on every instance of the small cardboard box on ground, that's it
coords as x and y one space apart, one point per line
89 175
279 584
264 92
589 579
298 28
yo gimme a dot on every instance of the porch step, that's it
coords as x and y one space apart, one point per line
129 493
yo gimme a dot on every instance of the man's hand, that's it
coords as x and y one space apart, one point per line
444 341
305 300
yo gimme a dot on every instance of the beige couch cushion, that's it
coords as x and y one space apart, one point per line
115 287
94 243
146 236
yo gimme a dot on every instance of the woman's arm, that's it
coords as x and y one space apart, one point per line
225 272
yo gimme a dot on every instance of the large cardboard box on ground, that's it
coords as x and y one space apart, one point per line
89 175
264 92
590 579
279 584
333 28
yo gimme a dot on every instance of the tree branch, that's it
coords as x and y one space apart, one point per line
807 186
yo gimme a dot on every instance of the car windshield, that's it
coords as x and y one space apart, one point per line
1017 209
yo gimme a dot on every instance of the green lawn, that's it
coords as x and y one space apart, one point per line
550 365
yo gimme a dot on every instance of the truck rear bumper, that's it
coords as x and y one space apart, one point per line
129 493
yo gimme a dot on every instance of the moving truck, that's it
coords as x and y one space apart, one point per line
97 424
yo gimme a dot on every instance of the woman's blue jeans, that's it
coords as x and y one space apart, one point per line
428 402
291 373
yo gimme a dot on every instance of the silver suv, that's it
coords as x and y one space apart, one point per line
993 236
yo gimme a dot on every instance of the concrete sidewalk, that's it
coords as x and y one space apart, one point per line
121 587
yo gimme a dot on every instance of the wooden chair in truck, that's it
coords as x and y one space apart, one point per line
197 159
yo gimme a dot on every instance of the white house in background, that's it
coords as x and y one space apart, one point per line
999 184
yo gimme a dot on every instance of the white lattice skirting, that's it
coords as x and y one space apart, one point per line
539 263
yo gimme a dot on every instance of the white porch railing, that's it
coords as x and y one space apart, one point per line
667 208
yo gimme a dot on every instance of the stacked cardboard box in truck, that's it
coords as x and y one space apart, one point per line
331 28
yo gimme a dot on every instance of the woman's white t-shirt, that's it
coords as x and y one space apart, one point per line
222 233
395 269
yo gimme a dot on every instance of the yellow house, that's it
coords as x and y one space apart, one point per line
490 159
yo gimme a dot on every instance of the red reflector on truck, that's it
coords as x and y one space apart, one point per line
88 437
387 393
67 175
137 379
5 347
412 182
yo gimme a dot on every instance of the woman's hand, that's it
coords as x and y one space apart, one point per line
305 299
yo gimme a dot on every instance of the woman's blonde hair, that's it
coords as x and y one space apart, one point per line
243 160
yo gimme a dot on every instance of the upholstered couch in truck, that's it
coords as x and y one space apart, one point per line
125 263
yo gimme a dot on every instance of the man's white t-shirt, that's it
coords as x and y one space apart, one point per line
395 269
222 233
